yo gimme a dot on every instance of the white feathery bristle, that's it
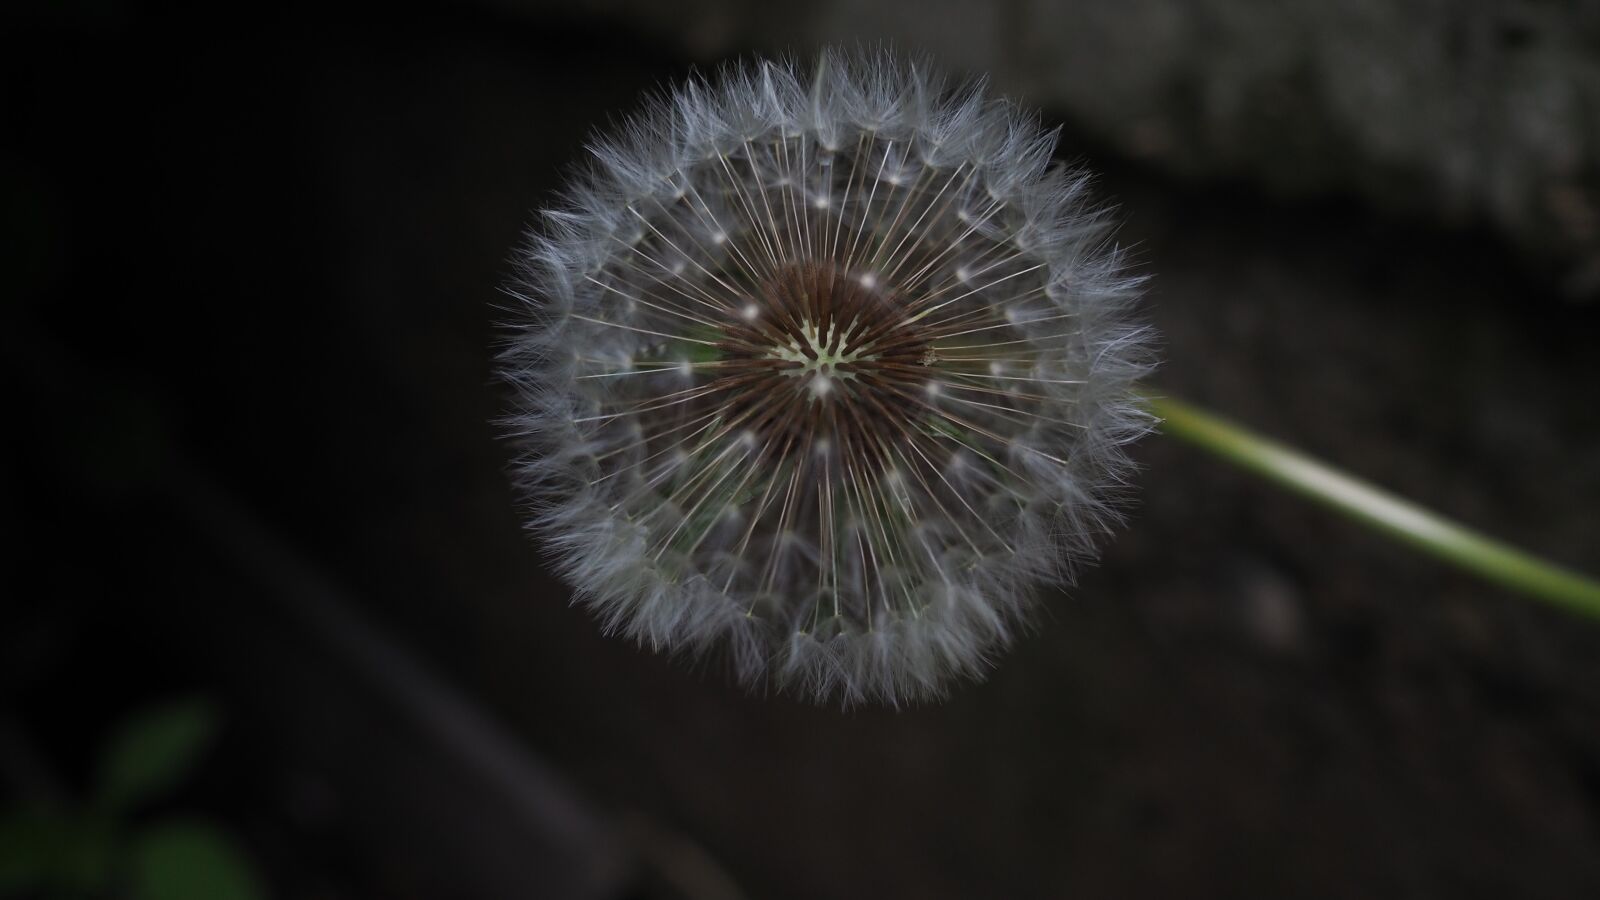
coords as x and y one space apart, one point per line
828 369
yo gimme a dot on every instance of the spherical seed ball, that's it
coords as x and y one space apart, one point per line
828 368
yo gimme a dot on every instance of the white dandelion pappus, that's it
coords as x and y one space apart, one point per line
832 370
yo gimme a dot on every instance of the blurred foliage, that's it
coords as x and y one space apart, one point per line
188 859
97 848
151 753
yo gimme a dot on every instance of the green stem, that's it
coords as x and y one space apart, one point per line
1427 531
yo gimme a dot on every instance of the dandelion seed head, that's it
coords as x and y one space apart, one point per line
829 368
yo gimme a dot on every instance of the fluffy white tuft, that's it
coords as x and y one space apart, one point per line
829 369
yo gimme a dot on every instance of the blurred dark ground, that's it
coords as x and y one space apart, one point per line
250 270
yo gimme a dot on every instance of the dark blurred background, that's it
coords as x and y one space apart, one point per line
250 270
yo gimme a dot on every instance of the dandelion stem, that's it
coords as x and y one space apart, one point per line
1380 510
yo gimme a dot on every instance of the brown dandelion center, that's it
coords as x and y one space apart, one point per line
825 360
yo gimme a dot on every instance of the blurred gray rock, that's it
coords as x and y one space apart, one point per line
1460 111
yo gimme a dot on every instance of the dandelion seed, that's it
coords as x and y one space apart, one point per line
810 456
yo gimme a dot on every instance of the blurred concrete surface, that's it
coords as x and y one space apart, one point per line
1474 112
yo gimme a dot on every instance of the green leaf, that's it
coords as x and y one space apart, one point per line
29 846
47 853
191 861
153 752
